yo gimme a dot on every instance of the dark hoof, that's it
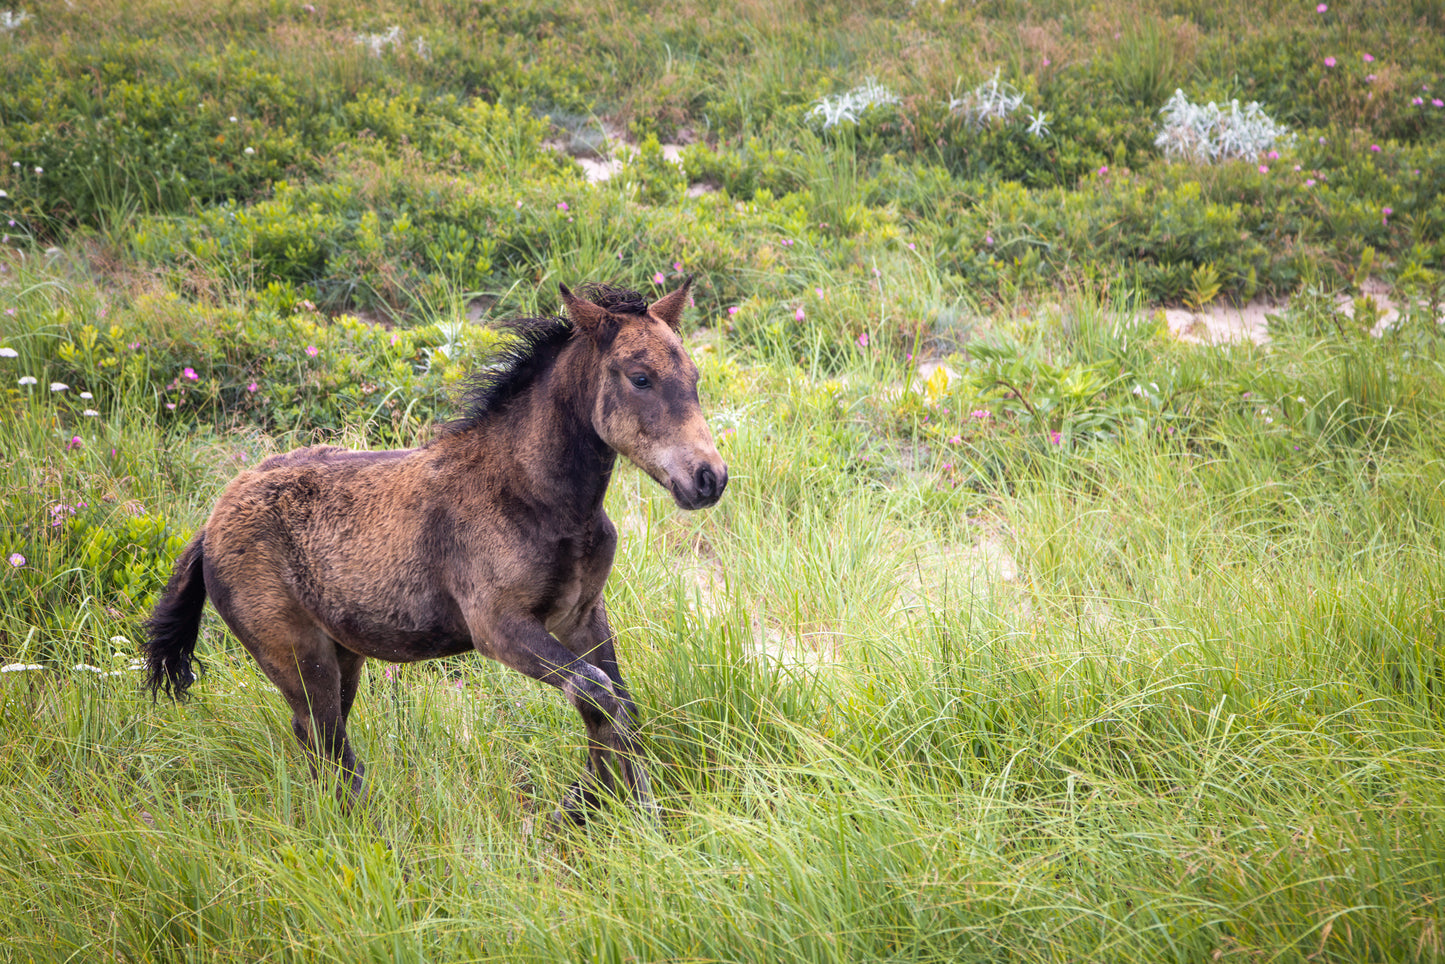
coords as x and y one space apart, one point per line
577 803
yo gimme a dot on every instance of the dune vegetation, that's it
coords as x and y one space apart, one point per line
1027 630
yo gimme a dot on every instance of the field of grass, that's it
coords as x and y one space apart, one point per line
1024 632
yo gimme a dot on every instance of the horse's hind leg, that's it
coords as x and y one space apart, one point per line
319 678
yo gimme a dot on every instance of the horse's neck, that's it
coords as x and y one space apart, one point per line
544 443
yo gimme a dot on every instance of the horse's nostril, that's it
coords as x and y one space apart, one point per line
706 483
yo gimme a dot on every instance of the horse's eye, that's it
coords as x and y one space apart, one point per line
641 381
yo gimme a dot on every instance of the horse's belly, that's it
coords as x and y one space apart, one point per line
397 645
417 626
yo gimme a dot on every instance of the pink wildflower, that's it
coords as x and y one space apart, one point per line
312 350
733 310
862 339
658 278
562 206
16 560
1329 61
1375 148
677 266
1103 170
1264 169
1369 59
818 292
981 413
74 443
1322 8
798 315
252 387
1055 438
190 373
955 440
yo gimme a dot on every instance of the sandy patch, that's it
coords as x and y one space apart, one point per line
1222 324
1219 324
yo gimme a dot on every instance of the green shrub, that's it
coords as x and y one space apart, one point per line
60 558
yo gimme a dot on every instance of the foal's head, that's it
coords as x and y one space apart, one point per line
647 407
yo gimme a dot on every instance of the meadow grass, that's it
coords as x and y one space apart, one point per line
1024 632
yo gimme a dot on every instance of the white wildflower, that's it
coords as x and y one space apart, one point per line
3 194
232 118
377 42
11 21
20 667
90 413
849 107
249 150
992 100
86 668
58 386
1039 126
86 395
9 353
1212 132
27 379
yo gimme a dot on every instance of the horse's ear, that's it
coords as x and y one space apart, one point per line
592 320
669 307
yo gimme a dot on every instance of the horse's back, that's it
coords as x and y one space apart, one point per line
307 526
322 455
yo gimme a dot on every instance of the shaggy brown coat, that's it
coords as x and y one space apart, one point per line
490 537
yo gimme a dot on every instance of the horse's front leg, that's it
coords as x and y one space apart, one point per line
593 640
521 642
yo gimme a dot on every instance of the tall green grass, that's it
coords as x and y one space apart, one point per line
1135 698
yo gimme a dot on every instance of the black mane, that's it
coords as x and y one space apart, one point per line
532 346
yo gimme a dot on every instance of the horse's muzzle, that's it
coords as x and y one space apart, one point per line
705 488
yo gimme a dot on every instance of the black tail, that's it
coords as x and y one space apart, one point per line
172 629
